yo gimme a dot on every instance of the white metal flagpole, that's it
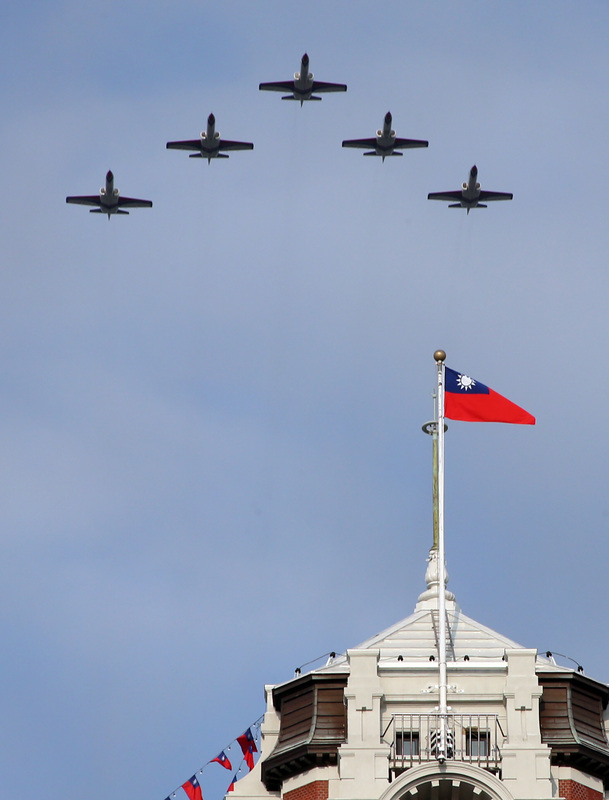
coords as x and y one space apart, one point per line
440 357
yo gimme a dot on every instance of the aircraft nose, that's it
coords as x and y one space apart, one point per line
109 175
305 59
474 170
211 120
388 118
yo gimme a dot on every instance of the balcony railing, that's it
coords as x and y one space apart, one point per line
474 738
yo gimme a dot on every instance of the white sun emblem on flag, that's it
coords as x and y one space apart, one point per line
465 382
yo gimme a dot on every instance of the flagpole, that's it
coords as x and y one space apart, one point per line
440 357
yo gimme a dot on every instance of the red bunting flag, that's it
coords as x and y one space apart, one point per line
248 746
223 760
192 788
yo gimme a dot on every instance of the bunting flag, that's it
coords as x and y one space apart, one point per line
248 746
193 788
247 743
472 401
223 760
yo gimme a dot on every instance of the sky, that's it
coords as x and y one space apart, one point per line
212 469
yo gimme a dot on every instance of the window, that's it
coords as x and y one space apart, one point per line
477 743
407 743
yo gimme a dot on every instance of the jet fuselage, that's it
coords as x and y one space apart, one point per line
210 139
303 81
471 190
385 138
108 196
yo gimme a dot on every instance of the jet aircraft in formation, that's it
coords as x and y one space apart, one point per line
210 144
385 142
303 85
108 200
470 194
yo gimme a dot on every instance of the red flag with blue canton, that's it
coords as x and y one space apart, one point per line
231 788
471 401
222 759
248 746
192 788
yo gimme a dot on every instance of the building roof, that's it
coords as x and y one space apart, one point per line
415 638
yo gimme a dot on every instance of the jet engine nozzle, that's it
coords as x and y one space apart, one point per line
102 191
392 134
297 76
477 187
203 134
116 193
464 185
310 76
379 134
217 135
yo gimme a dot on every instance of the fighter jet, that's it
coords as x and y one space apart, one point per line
108 200
303 85
210 144
385 142
470 195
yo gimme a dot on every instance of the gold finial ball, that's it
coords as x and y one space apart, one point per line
440 355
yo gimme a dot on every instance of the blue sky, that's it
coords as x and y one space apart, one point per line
211 461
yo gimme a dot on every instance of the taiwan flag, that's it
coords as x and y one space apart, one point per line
223 759
248 746
192 788
231 788
468 400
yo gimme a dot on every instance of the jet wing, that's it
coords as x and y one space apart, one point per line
132 202
495 195
320 86
85 200
448 196
365 144
189 144
281 86
410 143
226 144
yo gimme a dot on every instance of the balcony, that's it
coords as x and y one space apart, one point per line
473 738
